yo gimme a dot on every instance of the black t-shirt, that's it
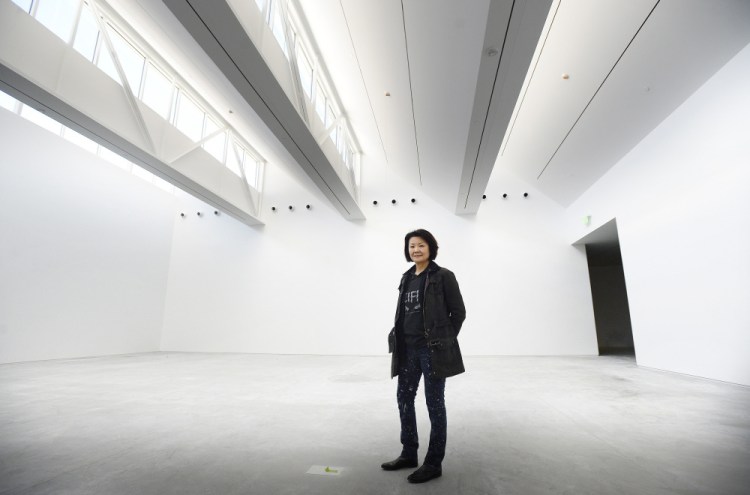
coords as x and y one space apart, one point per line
413 322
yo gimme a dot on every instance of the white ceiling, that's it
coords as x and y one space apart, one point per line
630 64
431 57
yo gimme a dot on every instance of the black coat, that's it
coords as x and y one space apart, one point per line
444 313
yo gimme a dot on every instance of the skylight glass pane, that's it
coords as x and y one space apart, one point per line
335 136
106 64
348 158
157 92
215 146
24 4
277 26
7 101
305 73
115 159
87 34
340 142
211 127
320 102
330 116
41 120
58 16
189 118
130 60
269 11
233 163
251 171
80 140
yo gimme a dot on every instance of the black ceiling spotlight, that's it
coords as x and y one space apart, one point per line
199 213
182 215
216 212
505 195
308 206
291 207
273 208
413 200
375 203
525 195
393 201
484 196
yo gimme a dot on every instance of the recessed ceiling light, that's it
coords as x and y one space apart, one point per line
565 75
231 111
492 52
388 93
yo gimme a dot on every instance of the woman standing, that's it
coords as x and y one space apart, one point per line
423 341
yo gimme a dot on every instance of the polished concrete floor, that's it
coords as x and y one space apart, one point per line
174 423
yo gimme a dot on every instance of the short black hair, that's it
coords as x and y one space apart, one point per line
429 239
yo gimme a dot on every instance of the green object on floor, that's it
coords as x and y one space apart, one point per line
329 470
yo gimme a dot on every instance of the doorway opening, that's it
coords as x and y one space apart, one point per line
609 295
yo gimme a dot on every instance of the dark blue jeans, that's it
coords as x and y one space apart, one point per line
413 363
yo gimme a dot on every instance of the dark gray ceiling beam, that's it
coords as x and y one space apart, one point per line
219 33
513 31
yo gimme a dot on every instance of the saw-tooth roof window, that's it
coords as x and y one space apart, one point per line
59 16
94 30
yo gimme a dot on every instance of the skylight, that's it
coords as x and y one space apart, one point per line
59 16
131 60
313 80
81 23
190 117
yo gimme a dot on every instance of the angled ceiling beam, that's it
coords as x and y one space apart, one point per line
29 93
512 33
217 31
42 71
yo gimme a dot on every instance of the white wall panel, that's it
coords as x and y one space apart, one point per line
312 282
84 250
682 203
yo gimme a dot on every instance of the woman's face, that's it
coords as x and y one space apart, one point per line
419 250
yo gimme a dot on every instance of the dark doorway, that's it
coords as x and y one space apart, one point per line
609 294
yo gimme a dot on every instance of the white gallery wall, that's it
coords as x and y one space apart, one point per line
309 282
682 203
94 261
84 250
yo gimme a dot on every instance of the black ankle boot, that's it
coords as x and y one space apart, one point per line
425 473
399 463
